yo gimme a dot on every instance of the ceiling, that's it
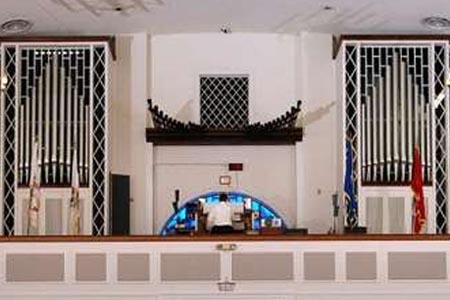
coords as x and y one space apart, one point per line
69 17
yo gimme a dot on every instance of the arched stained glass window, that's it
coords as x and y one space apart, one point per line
185 219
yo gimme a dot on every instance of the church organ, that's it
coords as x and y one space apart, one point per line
55 93
395 98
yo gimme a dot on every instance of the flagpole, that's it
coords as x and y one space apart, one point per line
74 214
33 204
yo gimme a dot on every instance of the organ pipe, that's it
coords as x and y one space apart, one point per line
69 129
55 113
47 123
381 125
54 117
61 124
388 123
395 117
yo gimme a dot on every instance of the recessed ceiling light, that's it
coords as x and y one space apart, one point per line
16 26
438 23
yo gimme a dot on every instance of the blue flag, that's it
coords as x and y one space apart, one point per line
349 189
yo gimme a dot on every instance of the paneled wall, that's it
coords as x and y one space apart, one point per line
255 269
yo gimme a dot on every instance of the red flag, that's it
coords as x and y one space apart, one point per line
419 216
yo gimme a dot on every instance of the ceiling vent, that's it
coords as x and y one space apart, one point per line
437 23
100 7
16 26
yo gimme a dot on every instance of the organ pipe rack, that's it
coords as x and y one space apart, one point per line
56 92
389 86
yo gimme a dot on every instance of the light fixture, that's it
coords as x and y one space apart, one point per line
225 30
328 7
437 23
226 286
16 26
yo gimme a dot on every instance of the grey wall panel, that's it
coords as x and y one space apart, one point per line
35 267
417 266
90 267
361 266
133 267
53 216
190 266
263 266
319 266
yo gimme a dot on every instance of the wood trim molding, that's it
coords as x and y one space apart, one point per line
109 39
224 137
225 238
338 40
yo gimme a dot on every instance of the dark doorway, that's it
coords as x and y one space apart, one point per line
120 208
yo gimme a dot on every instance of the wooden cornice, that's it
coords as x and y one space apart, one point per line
338 40
169 131
224 137
109 39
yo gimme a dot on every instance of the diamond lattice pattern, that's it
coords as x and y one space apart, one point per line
224 101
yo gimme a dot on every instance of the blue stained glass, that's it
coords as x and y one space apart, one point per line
188 222
182 214
266 214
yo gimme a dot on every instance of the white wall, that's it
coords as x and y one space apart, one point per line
178 61
282 68
119 120
130 154
318 149
268 174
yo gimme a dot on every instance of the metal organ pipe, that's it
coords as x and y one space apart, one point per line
416 136
33 122
33 114
69 130
75 120
54 116
363 140
47 121
86 144
421 109
409 126
40 110
429 123
27 137
62 101
381 124
388 123
80 161
402 119
396 101
375 141
54 111
394 118
21 140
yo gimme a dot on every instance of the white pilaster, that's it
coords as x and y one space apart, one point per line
139 208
